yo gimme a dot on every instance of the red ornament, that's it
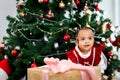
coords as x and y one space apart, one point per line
14 52
77 2
118 70
20 6
41 16
22 14
33 64
108 26
109 53
67 37
96 6
45 1
19 55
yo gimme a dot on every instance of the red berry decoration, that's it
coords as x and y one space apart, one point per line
14 52
67 37
33 65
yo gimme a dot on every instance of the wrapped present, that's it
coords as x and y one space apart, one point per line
44 73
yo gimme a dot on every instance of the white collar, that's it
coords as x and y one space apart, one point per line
81 54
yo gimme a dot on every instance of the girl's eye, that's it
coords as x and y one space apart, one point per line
83 39
90 38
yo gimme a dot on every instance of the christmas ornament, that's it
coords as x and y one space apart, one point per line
14 52
17 48
22 14
41 16
108 26
112 38
56 45
98 23
89 11
77 2
109 53
50 14
45 1
45 38
33 64
67 14
61 24
114 56
96 6
74 4
67 37
112 75
20 4
85 8
40 1
5 69
19 55
61 4
104 29
50 1
103 39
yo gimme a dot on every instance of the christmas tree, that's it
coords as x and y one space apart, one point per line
46 28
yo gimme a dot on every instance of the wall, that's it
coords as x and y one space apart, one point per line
8 7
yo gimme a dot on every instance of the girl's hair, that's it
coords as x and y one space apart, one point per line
83 28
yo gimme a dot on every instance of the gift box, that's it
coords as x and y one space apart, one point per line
43 73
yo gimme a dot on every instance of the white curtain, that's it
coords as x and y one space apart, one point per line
117 12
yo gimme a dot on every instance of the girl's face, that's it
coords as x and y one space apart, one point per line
85 40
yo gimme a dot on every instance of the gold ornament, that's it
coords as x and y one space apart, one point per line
115 57
98 23
112 74
89 11
40 1
104 29
22 14
61 4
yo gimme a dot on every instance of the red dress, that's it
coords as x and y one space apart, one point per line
93 59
